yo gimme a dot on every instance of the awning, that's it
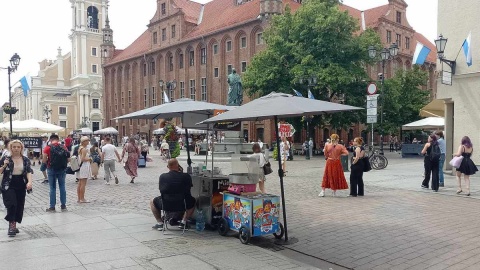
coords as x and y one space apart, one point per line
430 123
435 108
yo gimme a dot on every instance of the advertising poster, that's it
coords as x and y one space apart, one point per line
265 215
237 211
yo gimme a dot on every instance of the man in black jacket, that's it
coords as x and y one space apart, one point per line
173 182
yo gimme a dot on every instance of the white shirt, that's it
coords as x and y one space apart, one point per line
260 158
108 151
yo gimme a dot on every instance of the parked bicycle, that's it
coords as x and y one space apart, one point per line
378 162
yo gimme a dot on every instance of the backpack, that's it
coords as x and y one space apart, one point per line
435 153
74 165
58 157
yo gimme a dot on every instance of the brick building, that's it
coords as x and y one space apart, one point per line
192 48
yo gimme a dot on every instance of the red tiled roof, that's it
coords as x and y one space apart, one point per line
219 14
191 9
372 15
422 39
140 46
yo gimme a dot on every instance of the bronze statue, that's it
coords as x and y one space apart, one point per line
235 91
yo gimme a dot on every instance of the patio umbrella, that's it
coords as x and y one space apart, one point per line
277 105
190 111
85 131
33 125
108 130
426 123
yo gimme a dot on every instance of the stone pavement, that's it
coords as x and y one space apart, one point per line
397 225
114 232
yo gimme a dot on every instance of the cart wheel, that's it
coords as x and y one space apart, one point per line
222 227
244 234
279 235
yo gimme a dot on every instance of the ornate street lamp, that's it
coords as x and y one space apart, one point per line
311 82
47 112
385 55
14 63
441 43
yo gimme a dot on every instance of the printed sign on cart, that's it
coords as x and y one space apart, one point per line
265 215
31 142
237 211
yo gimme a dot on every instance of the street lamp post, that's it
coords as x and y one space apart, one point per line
311 82
47 112
385 55
14 62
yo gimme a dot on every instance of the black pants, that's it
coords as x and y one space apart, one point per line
431 168
392 147
144 154
14 199
356 179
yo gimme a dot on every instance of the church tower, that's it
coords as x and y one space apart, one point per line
88 20
107 46
270 7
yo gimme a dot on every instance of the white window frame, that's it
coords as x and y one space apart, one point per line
96 69
60 123
98 103
242 46
259 38
96 51
203 83
59 113
244 64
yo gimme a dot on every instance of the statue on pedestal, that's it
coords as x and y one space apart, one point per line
235 91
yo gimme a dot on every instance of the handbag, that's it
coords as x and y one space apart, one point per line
456 161
69 170
366 165
267 168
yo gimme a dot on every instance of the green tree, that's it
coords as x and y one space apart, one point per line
317 40
403 98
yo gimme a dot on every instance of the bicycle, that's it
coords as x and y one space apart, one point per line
378 162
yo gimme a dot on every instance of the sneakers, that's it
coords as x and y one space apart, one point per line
322 194
107 183
50 210
64 208
12 229
442 185
183 226
423 186
158 226
116 180
45 181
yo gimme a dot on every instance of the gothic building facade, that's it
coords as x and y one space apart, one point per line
188 50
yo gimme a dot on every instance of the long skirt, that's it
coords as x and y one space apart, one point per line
333 177
131 165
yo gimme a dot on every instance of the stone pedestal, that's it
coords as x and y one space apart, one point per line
233 137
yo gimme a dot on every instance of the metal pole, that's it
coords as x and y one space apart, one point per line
381 108
10 100
372 135
280 174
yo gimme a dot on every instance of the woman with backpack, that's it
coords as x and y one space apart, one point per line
85 171
467 167
96 160
431 162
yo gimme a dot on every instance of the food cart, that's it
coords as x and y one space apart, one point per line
245 211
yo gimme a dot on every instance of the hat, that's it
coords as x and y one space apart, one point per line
84 138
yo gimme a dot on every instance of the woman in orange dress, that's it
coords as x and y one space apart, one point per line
333 177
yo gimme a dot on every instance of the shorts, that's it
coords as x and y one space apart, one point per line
36 154
157 202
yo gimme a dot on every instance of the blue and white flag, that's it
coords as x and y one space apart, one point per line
467 49
421 53
165 97
297 93
310 95
26 82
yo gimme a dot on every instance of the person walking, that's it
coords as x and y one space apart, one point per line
69 142
333 176
131 164
467 167
392 143
261 159
284 153
431 162
443 150
356 174
108 159
96 160
85 171
56 156
17 179
144 148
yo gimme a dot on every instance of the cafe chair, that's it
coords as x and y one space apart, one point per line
171 205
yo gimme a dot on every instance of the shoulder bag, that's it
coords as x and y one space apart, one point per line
267 168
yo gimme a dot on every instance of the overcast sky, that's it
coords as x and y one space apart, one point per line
35 29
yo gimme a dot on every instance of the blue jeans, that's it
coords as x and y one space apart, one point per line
53 176
440 171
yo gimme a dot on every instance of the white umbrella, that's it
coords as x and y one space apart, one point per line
273 106
34 125
426 123
108 130
84 131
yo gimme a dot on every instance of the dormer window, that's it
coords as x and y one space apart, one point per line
399 17
164 8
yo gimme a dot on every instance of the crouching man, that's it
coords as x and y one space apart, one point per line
173 182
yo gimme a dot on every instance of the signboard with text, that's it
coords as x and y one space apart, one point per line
31 142
285 130
232 126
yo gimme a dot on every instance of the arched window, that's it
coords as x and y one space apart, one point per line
92 17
